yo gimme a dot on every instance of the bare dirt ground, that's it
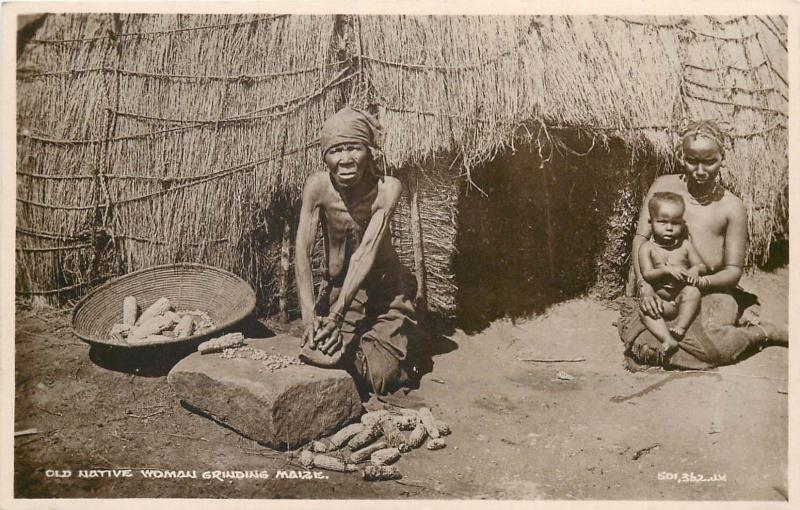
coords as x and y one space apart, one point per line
519 432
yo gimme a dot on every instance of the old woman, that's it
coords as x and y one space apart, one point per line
364 320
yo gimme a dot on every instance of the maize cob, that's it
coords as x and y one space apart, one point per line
363 454
381 473
405 422
320 447
333 464
366 436
405 411
121 329
149 339
393 436
384 456
129 311
374 417
417 436
119 332
435 444
202 320
185 327
428 422
307 459
344 435
442 427
152 326
158 308
220 343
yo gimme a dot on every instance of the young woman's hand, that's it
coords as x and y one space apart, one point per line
650 303
692 276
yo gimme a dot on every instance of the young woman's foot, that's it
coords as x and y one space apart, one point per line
669 346
776 333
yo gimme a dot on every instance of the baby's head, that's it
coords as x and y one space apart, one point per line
666 216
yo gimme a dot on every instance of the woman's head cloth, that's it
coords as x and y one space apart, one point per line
349 126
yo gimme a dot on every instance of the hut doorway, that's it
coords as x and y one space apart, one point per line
543 232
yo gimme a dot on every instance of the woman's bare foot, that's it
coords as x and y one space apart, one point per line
776 333
669 346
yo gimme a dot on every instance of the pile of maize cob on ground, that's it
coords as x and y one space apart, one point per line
379 439
158 323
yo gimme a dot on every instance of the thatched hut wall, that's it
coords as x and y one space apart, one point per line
154 138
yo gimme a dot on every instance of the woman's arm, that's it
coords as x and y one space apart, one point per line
649 303
364 256
360 265
304 244
643 233
696 265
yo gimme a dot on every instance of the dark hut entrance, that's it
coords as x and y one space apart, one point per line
545 231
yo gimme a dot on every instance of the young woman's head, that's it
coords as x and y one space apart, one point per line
701 151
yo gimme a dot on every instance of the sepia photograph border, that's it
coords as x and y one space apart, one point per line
10 10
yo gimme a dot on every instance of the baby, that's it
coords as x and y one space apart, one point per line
670 263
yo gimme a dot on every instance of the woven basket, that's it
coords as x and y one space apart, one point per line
224 296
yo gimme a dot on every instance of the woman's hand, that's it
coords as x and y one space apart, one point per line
649 302
693 276
328 337
310 333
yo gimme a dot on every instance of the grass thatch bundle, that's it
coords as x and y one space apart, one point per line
145 139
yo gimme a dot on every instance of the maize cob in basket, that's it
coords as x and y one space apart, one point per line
161 306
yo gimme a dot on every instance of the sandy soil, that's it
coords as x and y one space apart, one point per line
519 432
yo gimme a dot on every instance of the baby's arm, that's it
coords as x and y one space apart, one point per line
656 275
651 274
696 265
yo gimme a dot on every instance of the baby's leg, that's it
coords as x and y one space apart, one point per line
659 330
688 308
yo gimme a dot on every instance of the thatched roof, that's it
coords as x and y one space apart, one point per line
172 134
474 85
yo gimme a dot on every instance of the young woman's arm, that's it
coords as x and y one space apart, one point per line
735 246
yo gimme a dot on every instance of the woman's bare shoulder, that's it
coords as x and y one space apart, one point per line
733 204
317 178
390 187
